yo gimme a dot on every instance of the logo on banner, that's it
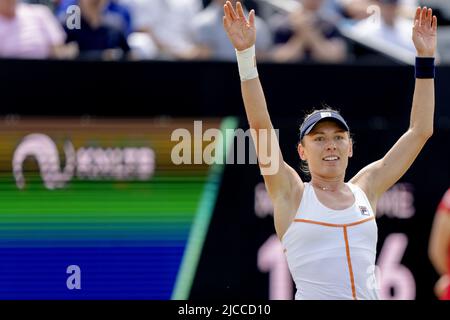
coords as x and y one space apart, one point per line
92 163
364 211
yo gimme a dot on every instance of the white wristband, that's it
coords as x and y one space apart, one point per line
247 63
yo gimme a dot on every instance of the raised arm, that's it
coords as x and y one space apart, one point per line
283 183
379 176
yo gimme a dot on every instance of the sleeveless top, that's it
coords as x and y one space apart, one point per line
331 253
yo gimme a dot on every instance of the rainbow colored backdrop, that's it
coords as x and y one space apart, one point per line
131 239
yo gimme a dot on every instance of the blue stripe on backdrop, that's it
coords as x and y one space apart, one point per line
106 273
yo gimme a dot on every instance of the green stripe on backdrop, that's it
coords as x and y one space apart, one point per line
102 202
191 257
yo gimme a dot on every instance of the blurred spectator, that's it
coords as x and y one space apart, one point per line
390 26
97 39
304 35
51 4
213 41
332 11
439 247
114 14
31 31
162 28
362 9
441 8
355 9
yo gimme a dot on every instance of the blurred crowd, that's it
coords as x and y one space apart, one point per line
287 30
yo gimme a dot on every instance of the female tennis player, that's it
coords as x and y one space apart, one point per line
327 226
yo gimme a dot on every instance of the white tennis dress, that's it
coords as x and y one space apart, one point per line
331 253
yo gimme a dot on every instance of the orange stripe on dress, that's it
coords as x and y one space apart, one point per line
326 224
347 246
349 261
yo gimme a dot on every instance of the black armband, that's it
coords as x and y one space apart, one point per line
425 68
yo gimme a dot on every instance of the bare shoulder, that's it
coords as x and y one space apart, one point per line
363 182
285 206
295 178
360 181
296 187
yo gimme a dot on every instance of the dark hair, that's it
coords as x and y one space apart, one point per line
304 164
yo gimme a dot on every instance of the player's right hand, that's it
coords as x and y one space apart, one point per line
240 30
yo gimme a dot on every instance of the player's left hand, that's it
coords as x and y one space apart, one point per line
424 32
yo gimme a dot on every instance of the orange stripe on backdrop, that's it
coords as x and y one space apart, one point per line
105 132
